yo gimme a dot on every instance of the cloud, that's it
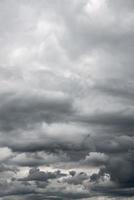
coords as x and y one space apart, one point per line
36 175
77 179
28 107
38 159
5 168
66 99
5 153
95 159
15 188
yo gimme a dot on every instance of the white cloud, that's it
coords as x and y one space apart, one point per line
5 153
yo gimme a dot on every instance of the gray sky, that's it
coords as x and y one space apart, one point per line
66 99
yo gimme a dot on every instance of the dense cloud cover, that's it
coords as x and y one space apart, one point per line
66 99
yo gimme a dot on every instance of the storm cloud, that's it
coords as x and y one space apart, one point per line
66 99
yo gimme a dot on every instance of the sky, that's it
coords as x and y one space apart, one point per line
66 100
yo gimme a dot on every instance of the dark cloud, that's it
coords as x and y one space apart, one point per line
26 108
116 178
72 173
36 175
14 188
77 179
110 119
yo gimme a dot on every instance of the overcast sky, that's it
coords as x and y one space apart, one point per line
66 99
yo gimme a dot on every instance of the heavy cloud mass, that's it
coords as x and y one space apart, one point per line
66 99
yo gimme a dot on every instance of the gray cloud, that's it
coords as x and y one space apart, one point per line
5 168
66 99
28 107
36 175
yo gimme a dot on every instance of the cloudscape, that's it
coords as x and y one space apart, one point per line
66 99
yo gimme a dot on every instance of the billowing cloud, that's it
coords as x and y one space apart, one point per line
36 175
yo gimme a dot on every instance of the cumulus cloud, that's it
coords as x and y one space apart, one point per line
95 159
36 175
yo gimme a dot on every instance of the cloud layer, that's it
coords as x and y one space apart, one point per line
66 99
